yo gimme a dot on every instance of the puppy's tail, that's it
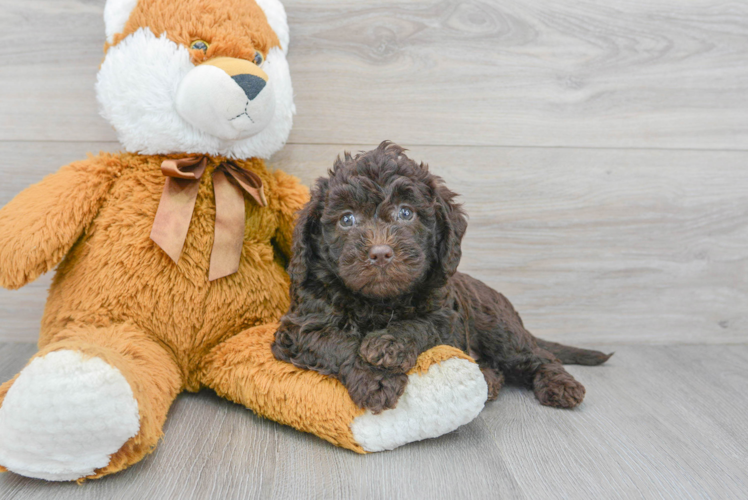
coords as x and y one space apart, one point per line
573 355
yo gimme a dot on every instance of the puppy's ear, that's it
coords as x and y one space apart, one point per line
451 225
307 227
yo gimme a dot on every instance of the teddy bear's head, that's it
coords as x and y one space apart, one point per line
197 76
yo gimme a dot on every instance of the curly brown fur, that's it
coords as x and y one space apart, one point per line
374 284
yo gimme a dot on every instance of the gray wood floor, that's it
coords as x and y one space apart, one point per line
658 422
601 150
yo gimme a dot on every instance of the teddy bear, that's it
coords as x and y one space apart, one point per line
170 258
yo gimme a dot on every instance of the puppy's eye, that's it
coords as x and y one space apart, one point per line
200 45
348 220
259 58
405 213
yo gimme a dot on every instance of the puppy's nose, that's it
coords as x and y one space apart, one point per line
380 255
251 85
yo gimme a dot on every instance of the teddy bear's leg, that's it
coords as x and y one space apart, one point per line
445 390
90 403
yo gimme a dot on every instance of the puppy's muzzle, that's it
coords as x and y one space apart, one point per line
226 97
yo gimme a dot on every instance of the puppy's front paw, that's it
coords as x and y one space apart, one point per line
559 390
388 352
375 390
282 347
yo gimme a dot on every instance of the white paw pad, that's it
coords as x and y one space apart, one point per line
65 416
450 394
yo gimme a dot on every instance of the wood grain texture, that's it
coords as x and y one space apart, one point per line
636 73
662 422
590 245
658 422
51 52
661 73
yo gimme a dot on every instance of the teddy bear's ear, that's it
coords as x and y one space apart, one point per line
116 14
276 15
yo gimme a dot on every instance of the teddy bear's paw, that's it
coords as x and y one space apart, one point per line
65 416
449 394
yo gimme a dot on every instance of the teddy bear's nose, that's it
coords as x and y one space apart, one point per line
251 85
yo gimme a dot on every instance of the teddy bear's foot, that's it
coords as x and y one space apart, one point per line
445 390
64 417
437 400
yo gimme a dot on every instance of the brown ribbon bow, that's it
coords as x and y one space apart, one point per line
178 202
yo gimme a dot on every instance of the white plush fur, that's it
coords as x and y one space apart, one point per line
276 16
211 100
137 88
65 416
448 395
116 14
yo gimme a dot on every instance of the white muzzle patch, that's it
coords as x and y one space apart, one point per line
226 107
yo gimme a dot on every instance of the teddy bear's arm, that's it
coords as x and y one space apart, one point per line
292 195
40 225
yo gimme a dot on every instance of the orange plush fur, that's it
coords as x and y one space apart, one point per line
234 28
116 295
164 326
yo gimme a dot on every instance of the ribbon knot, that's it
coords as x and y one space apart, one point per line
177 204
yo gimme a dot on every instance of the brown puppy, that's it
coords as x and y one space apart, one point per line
374 284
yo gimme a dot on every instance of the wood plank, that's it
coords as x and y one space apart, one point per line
658 422
51 52
590 245
658 73
564 73
661 422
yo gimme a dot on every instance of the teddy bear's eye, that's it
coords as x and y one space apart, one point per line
200 45
259 58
